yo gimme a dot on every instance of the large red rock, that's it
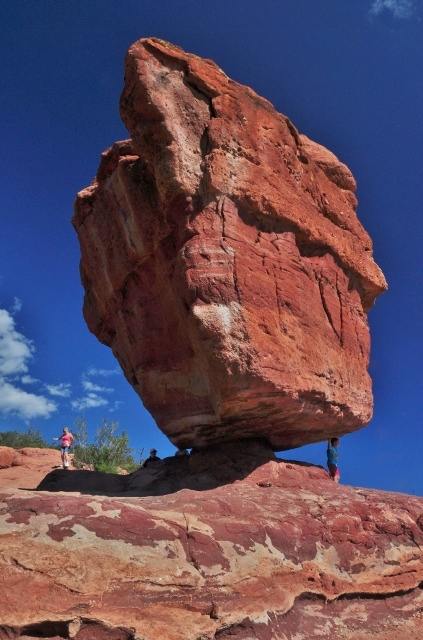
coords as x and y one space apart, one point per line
7 457
280 553
224 264
26 467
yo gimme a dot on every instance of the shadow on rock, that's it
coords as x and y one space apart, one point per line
203 469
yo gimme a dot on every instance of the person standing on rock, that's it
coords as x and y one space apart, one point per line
67 441
152 459
332 451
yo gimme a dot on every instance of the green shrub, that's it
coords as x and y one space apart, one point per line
108 454
20 439
103 467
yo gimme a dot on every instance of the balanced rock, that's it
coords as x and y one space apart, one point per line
224 264
282 553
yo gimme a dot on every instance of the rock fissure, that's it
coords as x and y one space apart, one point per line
21 565
282 621
190 557
44 629
363 595
236 283
75 629
325 307
220 204
341 311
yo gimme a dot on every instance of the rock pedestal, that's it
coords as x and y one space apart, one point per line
275 551
224 264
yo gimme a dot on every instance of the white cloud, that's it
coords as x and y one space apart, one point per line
15 349
22 404
27 379
91 401
90 386
17 305
403 9
92 398
103 372
15 352
116 405
62 389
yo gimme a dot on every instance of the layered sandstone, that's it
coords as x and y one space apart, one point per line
224 264
26 467
280 553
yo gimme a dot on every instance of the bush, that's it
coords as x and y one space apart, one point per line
19 439
108 454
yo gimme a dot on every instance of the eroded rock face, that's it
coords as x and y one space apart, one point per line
281 553
26 467
224 264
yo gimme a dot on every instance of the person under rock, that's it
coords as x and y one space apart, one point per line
152 459
67 441
181 452
332 451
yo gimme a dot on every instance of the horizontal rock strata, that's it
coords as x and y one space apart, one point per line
281 553
224 264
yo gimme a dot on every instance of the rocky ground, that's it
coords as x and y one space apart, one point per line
229 543
26 467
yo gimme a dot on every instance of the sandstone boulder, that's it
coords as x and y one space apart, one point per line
26 467
224 264
280 553
7 457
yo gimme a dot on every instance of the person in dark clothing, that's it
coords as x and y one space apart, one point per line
332 452
152 459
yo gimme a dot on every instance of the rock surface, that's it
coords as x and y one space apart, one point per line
26 467
281 553
224 264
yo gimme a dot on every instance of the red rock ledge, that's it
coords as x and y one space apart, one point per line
282 553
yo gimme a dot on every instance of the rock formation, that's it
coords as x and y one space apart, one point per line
279 553
26 467
224 264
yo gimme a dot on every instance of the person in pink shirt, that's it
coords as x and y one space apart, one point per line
67 441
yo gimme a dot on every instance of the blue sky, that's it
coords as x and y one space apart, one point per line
349 74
